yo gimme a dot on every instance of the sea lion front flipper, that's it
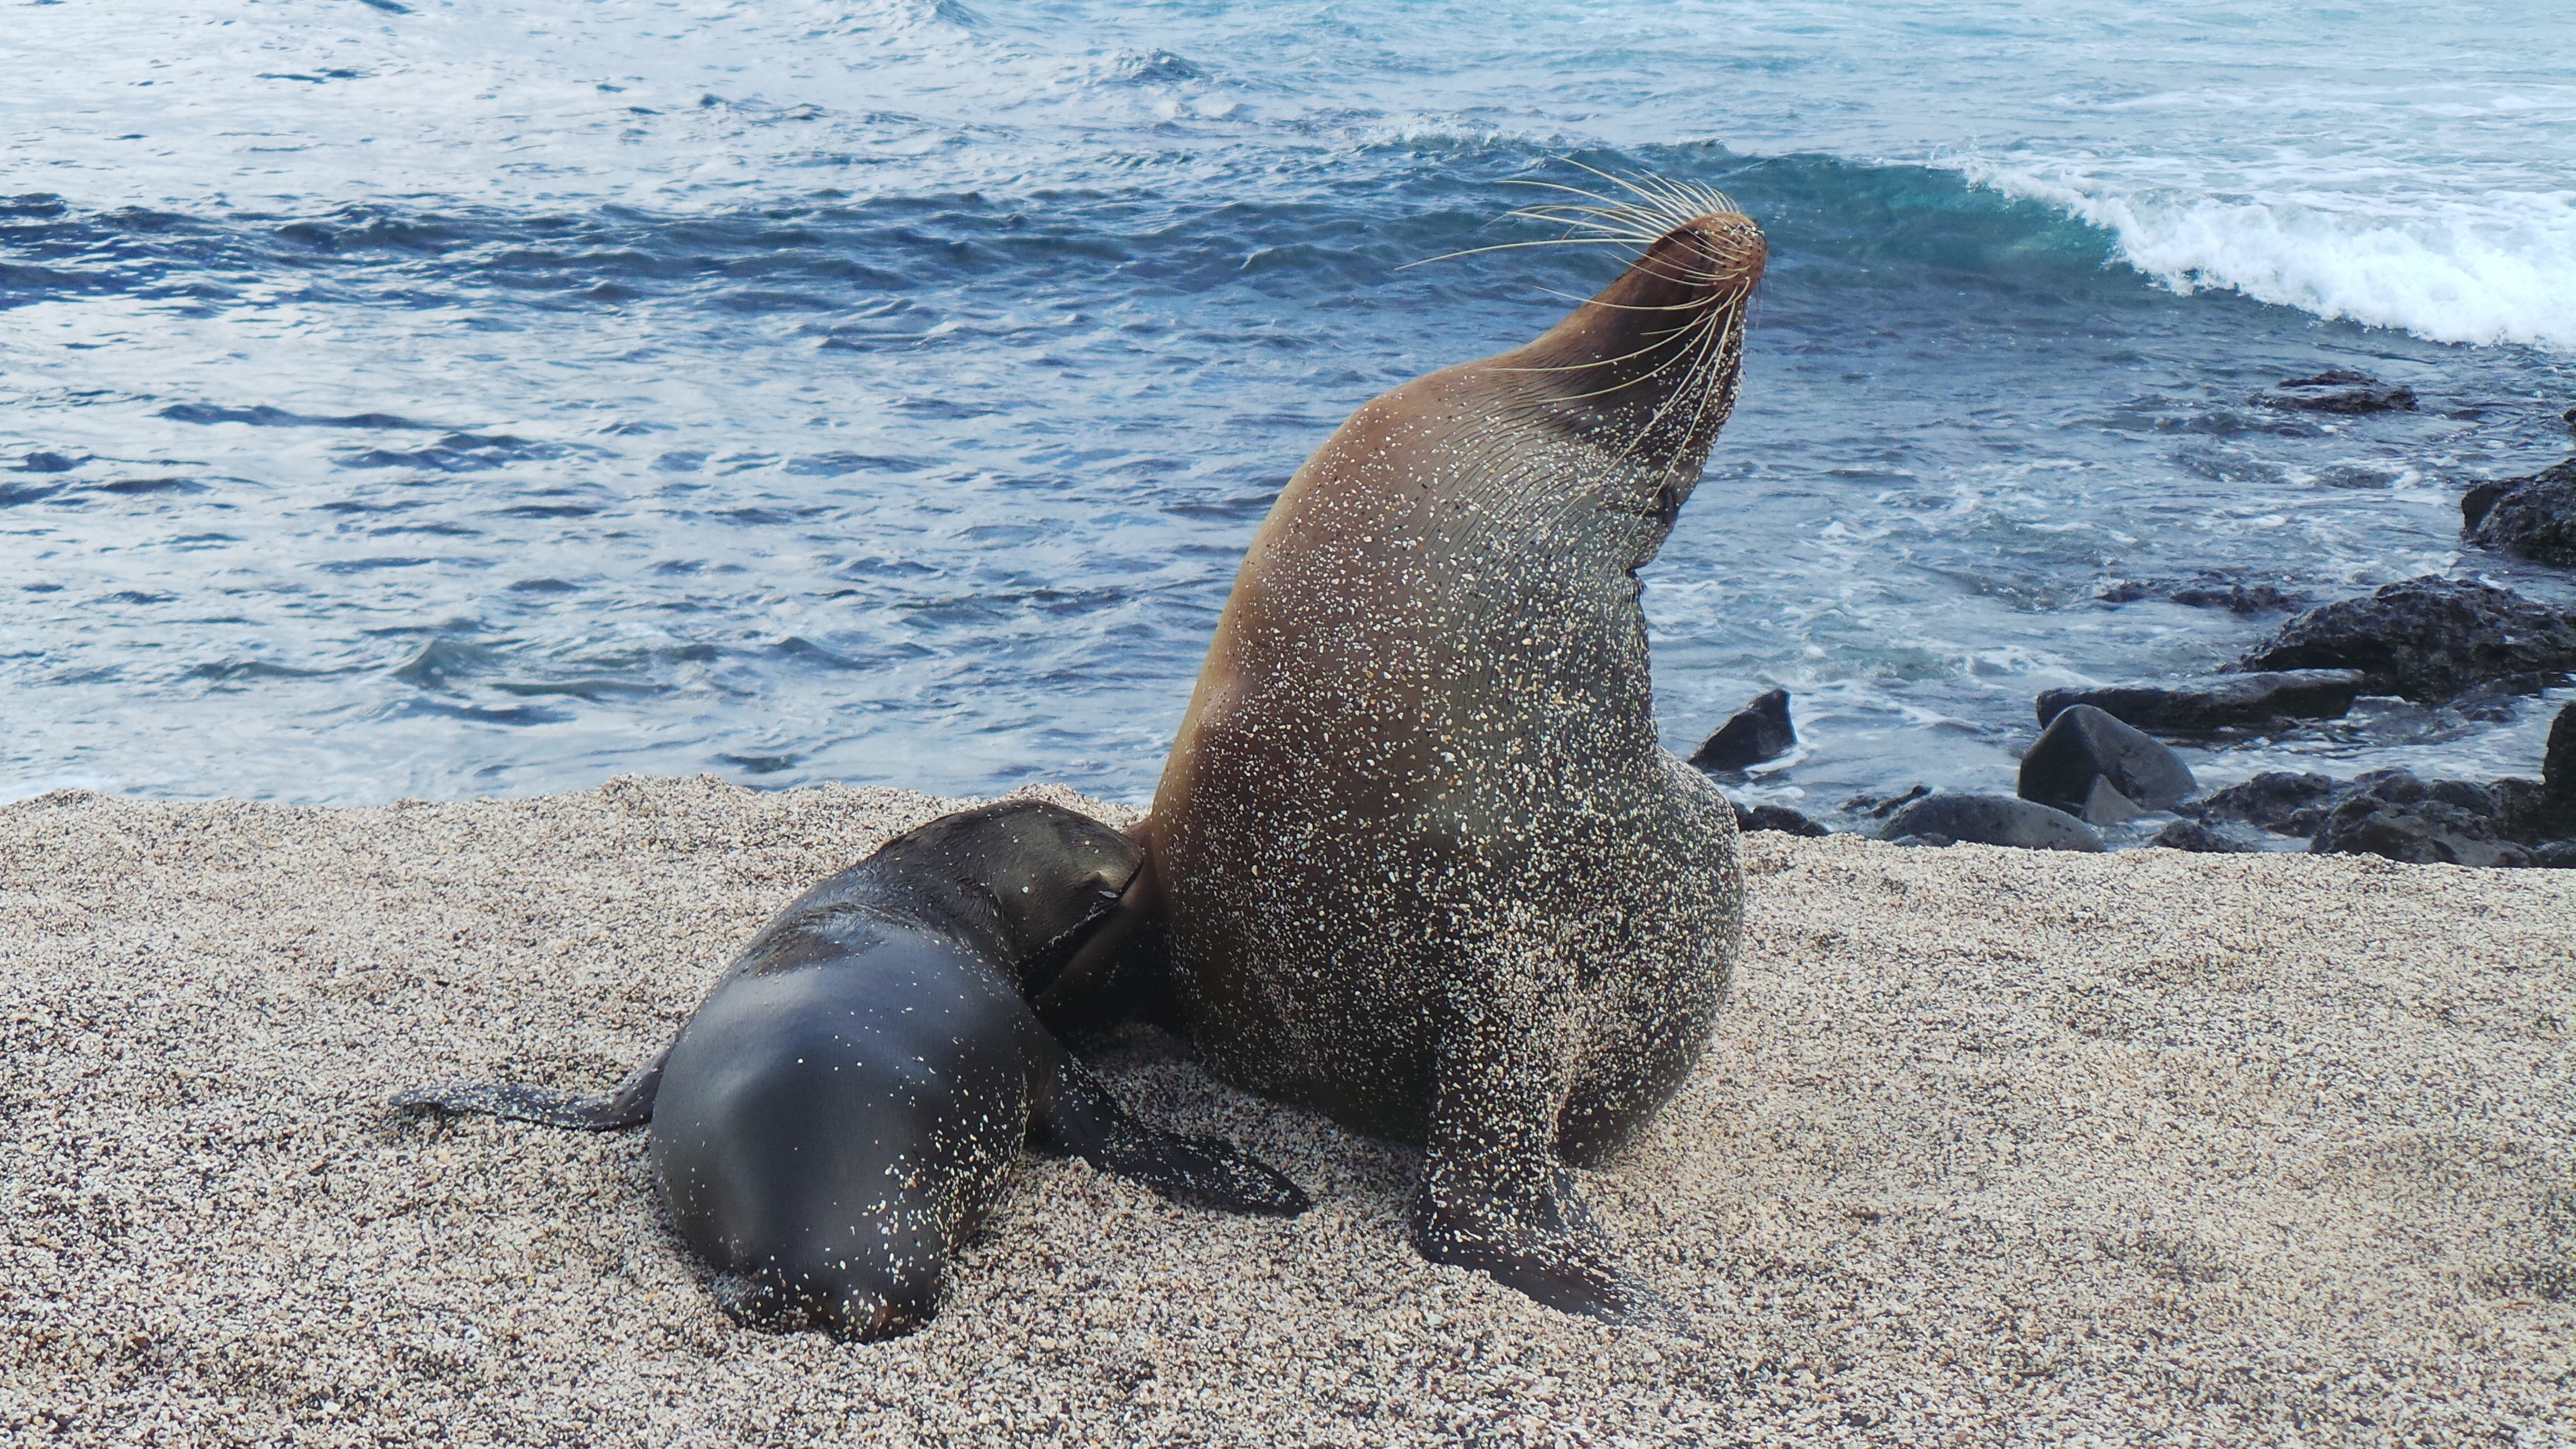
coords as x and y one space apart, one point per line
629 1103
1075 1114
1494 1197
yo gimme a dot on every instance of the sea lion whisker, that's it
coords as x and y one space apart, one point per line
1568 241
1713 330
1660 205
1640 238
1667 198
1651 218
1695 306
1646 223
1691 199
1695 199
1611 201
1730 320
1689 348
1630 232
1667 341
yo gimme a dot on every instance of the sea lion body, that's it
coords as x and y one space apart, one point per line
843 1108
1422 861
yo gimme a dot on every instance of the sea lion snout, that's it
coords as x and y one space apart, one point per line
1729 246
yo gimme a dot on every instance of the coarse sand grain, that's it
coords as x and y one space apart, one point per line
1990 1147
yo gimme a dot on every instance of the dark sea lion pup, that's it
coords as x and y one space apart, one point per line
1421 861
843 1107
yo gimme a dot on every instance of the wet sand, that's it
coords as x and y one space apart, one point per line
1990 1147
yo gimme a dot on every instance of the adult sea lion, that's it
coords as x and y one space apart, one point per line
1421 858
842 1109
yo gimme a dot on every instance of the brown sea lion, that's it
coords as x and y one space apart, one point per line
1421 858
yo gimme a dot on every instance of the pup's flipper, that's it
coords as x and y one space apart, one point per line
1075 1114
629 1104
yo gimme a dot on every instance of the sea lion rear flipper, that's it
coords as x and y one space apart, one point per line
1494 1196
1075 1114
630 1103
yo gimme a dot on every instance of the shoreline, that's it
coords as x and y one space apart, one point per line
2022 1145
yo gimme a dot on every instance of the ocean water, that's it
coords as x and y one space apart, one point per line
401 398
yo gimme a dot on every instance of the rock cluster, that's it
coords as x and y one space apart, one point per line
2457 643
2397 814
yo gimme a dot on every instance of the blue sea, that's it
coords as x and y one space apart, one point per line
404 398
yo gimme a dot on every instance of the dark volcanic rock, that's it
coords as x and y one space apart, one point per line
2542 810
2428 639
1992 820
2338 390
2392 813
2227 699
2533 517
2556 855
2193 836
1759 731
2523 811
2238 598
1776 817
2558 762
2207 591
2084 750
2276 800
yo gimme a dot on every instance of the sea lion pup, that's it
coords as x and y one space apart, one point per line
1421 859
842 1109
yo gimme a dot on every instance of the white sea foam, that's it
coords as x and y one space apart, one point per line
2491 266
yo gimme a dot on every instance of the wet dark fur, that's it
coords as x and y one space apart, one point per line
843 1108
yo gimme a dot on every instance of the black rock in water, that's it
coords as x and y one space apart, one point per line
2238 598
1992 820
2532 517
2428 639
2207 591
2338 390
2090 765
2276 800
2391 813
1760 731
1776 817
2193 836
2217 702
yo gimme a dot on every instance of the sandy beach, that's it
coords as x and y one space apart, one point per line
1990 1147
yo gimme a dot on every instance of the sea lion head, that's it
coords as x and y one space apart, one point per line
1646 372
1026 879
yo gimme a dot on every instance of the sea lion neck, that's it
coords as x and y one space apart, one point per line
1650 364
